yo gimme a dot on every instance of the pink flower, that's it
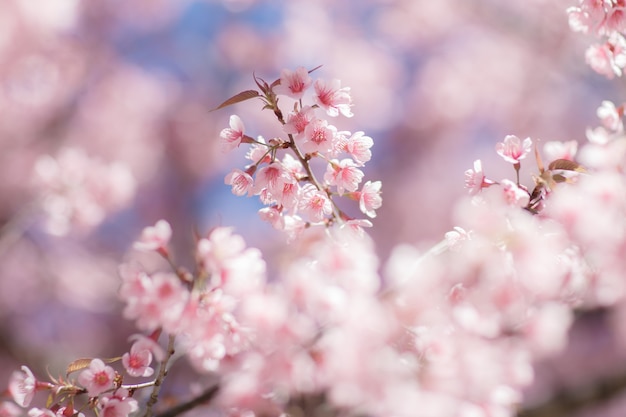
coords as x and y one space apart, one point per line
513 150
319 136
344 175
241 182
117 405
8 409
370 199
560 150
137 361
455 237
272 177
514 195
608 59
611 116
41 412
155 301
154 237
297 121
232 137
293 83
358 146
315 203
98 378
273 216
475 178
332 98
22 386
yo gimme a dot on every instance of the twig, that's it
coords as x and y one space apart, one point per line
194 402
567 402
154 397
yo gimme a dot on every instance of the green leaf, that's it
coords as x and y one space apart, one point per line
238 98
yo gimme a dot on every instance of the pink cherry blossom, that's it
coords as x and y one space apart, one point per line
554 150
611 116
155 301
358 146
513 194
273 216
98 378
298 120
369 198
475 179
41 412
272 177
455 237
609 58
293 83
333 98
8 409
258 152
79 190
512 149
616 18
154 237
22 386
137 361
315 203
241 182
344 175
118 404
319 136
232 136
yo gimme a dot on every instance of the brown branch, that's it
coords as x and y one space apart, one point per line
566 402
154 396
189 405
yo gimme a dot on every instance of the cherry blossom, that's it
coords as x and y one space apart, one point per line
512 149
513 194
333 98
315 203
8 409
241 182
41 412
554 150
609 58
297 121
117 404
344 175
231 137
319 136
611 116
80 190
22 386
154 238
137 361
294 83
98 378
358 146
475 179
369 198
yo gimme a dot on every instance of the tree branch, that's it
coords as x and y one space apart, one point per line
194 402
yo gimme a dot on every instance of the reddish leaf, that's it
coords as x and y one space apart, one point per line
238 98
565 164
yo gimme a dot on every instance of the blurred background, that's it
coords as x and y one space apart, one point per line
127 88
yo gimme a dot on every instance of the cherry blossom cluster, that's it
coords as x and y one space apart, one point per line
100 386
605 18
78 191
295 198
